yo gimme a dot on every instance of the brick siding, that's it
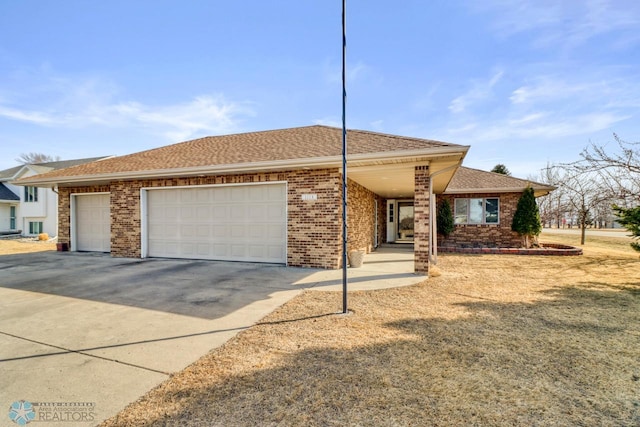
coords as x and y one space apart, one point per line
313 226
361 217
421 220
485 235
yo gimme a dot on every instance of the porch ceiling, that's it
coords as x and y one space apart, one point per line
397 180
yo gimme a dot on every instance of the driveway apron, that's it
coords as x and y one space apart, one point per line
82 335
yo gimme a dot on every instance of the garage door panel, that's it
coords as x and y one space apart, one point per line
219 232
241 223
92 222
275 251
276 232
219 212
238 194
275 211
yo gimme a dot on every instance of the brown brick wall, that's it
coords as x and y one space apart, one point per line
361 217
421 220
125 218
313 230
382 220
485 235
314 226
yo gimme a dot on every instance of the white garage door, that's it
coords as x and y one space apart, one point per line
93 224
232 223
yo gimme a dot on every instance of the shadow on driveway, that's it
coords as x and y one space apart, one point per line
204 289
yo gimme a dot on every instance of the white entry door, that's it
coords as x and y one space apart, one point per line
92 223
232 223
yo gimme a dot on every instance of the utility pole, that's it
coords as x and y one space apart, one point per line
344 157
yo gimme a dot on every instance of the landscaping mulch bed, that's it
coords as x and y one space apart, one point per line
493 340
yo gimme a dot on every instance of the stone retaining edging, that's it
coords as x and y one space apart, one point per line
546 249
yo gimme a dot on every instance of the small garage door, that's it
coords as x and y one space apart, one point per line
231 223
93 224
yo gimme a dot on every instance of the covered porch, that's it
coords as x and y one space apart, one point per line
405 207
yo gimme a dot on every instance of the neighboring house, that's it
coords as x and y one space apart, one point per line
272 196
31 210
483 204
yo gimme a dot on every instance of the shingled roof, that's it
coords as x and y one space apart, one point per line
44 167
6 194
468 180
285 146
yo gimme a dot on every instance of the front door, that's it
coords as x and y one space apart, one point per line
405 221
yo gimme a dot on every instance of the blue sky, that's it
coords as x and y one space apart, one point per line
524 82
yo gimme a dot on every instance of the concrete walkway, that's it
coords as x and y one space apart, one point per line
390 266
90 328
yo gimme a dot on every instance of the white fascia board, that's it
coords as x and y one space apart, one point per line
486 190
314 162
497 190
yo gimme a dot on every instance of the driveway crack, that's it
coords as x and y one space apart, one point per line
69 351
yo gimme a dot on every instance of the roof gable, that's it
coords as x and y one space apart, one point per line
20 171
11 173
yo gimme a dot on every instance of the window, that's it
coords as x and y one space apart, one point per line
491 213
461 209
12 218
30 194
35 227
477 211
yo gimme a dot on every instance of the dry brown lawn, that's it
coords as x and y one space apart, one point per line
494 340
8 247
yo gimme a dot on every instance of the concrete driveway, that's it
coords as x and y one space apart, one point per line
91 333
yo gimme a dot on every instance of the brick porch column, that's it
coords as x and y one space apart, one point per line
421 220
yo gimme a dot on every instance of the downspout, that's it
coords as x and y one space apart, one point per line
55 190
433 226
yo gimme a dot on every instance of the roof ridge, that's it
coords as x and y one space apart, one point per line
388 135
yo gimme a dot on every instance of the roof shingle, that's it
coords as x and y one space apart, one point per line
6 194
275 145
45 167
475 180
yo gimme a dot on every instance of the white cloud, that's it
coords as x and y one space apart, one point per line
547 88
34 117
556 23
542 125
356 73
480 91
329 121
64 103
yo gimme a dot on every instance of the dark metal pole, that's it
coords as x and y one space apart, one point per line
344 157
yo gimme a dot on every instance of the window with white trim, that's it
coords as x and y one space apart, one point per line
477 210
30 194
35 227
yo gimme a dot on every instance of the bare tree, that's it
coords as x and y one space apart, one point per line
31 158
618 167
553 206
584 195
